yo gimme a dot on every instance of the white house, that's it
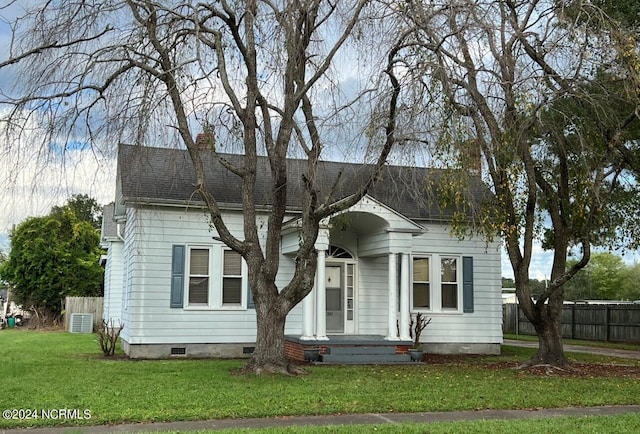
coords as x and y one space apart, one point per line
179 291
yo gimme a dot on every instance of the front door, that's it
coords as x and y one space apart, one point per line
340 290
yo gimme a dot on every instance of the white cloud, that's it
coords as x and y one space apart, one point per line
36 189
35 176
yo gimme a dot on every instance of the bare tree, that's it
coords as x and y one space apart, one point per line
249 72
510 73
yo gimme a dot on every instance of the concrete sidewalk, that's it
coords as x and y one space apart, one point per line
343 419
610 352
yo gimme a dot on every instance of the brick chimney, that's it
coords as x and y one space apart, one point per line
205 141
472 156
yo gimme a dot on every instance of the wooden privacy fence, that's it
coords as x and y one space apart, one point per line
83 305
593 322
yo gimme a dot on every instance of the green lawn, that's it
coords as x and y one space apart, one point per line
57 370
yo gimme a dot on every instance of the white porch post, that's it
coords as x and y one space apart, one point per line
404 298
307 314
321 299
392 332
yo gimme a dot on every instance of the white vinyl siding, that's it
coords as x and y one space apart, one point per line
147 254
113 279
151 233
484 325
373 296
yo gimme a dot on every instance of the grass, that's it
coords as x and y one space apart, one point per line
57 370
601 344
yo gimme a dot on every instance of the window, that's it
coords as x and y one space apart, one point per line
231 278
208 277
337 252
438 283
449 282
198 276
421 283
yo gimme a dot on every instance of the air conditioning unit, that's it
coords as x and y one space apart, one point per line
81 323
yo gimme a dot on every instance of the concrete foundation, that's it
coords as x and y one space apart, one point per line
166 351
293 349
453 348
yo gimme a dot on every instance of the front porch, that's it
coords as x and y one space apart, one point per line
350 349
363 281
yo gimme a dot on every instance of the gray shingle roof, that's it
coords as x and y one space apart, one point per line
163 175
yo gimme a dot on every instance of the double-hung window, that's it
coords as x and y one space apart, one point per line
449 282
199 277
421 283
231 278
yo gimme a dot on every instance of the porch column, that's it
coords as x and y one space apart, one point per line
307 315
392 282
321 298
404 298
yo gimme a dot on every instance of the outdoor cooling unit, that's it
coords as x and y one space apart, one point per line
81 323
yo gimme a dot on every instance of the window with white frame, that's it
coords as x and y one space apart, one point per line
449 282
436 283
209 277
231 278
421 283
198 284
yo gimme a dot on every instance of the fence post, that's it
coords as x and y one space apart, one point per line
606 323
573 320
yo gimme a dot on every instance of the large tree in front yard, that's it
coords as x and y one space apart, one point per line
258 77
540 99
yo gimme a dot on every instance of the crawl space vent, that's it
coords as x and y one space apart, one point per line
178 351
81 323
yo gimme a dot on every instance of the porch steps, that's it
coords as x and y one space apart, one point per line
357 355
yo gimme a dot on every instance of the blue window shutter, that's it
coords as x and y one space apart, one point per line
467 284
177 276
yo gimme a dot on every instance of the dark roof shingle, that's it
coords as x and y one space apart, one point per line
164 175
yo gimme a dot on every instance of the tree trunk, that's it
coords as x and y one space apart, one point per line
268 355
546 318
549 329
